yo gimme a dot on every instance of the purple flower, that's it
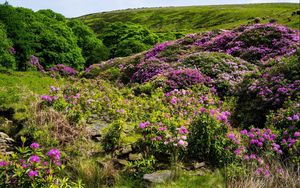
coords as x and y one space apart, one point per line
297 134
4 163
34 159
183 130
34 145
231 136
32 173
174 100
54 154
144 125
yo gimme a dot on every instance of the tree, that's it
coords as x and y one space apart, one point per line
7 59
93 49
118 37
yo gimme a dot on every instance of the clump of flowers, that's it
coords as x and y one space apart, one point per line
63 70
51 98
255 42
30 166
148 69
34 61
179 79
158 48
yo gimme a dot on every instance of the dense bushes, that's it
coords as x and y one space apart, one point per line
125 39
7 52
50 37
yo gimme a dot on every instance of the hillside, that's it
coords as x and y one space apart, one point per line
215 108
196 18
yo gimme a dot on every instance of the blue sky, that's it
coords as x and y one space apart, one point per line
73 8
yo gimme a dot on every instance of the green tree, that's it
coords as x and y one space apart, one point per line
7 59
127 37
93 49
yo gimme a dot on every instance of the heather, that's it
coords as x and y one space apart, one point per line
214 108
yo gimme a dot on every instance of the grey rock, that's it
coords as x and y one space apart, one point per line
124 150
135 156
158 177
6 144
198 165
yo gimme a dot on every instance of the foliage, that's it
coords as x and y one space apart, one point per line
30 166
7 59
171 22
93 49
124 39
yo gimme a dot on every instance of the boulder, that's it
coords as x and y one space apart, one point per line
158 177
135 156
6 144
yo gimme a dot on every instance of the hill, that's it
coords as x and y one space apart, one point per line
197 18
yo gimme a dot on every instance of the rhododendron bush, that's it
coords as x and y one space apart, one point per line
33 167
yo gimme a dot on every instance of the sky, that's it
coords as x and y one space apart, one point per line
75 8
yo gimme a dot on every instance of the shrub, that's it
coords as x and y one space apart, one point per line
180 79
32 167
256 42
208 138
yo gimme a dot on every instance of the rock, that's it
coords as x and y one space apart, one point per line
123 162
135 156
124 150
95 128
6 144
198 165
158 177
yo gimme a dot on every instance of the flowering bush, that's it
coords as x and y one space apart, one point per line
260 93
255 42
32 167
148 69
63 70
34 61
180 79
225 71
208 138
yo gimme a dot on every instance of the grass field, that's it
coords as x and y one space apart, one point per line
197 18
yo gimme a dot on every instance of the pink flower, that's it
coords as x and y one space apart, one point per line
34 145
231 136
144 125
54 154
34 159
32 173
174 100
296 134
183 130
202 110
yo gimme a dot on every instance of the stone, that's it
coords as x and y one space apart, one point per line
135 156
158 177
198 165
7 144
124 150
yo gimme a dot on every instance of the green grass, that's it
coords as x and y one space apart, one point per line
197 18
19 89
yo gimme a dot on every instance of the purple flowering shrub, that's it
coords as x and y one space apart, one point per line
253 43
184 78
208 137
149 69
34 61
32 167
63 70
287 121
225 71
269 90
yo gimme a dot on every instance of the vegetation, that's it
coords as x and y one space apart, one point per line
170 22
217 108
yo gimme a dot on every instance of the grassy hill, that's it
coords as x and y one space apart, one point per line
197 18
